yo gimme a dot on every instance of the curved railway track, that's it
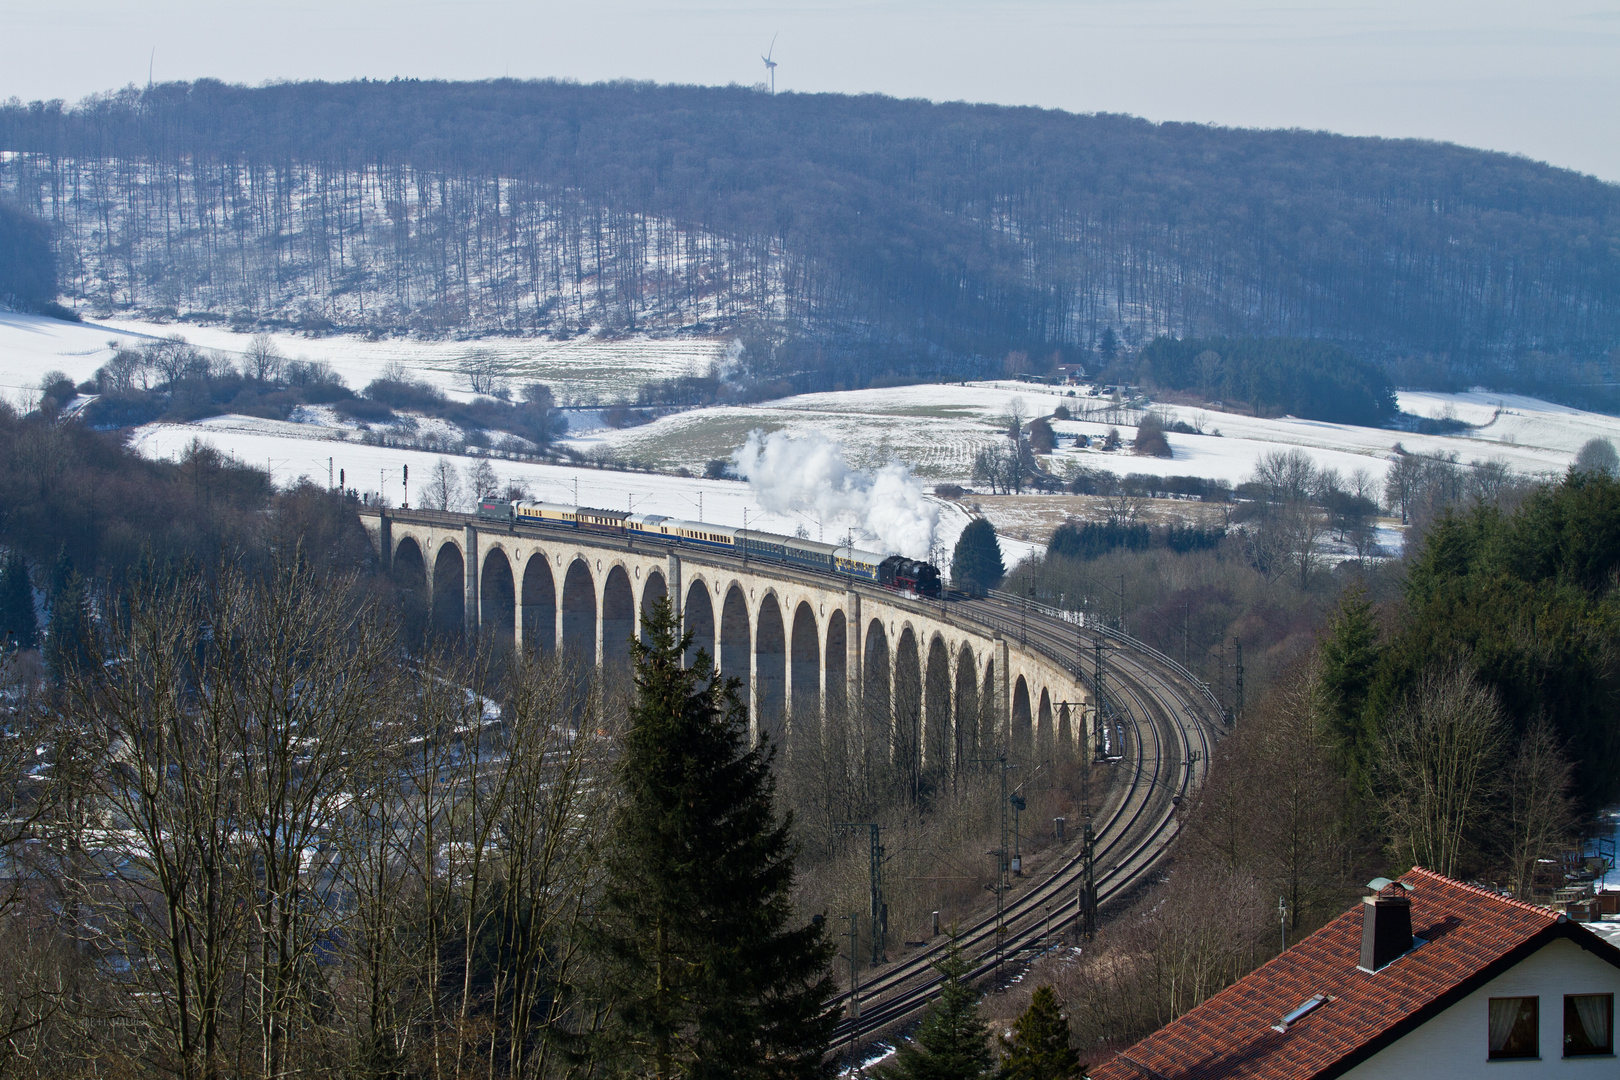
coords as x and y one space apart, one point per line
1169 719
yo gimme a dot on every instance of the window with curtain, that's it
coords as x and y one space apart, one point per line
1515 1028
1588 1024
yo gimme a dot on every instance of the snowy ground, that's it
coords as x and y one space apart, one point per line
934 430
290 455
583 369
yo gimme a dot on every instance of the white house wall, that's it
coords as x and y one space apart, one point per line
1455 1043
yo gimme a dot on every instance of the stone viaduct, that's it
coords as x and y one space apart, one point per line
938 688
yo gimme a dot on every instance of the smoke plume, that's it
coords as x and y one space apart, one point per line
808 474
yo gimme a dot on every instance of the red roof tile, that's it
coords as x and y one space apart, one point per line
1467 932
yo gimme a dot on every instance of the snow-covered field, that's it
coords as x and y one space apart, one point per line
377 469
933 430
582 369
936 429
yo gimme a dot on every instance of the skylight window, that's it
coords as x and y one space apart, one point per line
1306 1007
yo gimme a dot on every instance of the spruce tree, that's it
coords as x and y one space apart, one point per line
1349 662
19 626
1039 1048
952 1043
706 976
976 561
65 644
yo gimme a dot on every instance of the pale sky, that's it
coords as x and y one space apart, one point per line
1536 78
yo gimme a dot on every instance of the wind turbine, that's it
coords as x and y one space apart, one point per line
770 65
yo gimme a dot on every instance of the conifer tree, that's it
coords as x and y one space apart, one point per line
1349 662
952 1043
976 561
1039 1048
70 622
705 975
19 626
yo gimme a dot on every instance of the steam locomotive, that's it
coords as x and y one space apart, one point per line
890 571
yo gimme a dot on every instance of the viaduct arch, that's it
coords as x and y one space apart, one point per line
909 680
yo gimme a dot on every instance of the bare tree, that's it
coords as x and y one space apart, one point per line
1124 505
1167 955
483 373
173 358
1598 456
1540 812
482 483
128 370
261 361
1402 483
1287 476
1441 748
546 836
1290 522
1362 485
32 991
999 467
303 372
164 866
297 675
1488 480
443 488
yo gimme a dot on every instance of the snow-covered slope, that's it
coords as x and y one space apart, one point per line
934 429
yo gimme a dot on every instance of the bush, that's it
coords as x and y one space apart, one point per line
323 393
403 394
374 412
618 416
120 410
1041 438
1150 440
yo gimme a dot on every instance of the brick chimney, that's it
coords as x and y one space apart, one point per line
1386 923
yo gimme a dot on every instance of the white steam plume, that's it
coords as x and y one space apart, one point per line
808 474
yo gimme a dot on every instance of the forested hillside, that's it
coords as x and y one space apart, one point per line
869 233
27 267
1271 376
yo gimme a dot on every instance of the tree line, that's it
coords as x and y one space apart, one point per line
258 821
1452 708
1310 379
900 234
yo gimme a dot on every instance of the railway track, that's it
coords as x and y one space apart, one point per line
1169 720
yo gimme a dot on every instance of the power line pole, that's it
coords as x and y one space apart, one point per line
880 910
1088 891
1001 856
854 982
1098 673
1239 687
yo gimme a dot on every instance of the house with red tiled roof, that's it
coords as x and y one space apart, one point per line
1426 978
